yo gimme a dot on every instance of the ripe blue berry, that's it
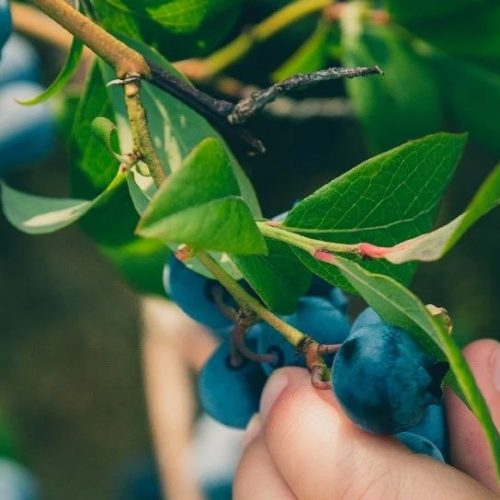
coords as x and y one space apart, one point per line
316 317
383 380
27 133
338 299
193 293
269 341
230 394
420 445
367 317
19 62
433 427
319 287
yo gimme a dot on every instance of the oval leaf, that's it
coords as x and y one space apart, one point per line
39 215
200 205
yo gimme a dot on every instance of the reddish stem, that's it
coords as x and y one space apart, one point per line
319 371
238 336
328 348
369 251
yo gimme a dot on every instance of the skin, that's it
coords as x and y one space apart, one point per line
302 446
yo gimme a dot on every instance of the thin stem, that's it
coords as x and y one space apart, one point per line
279 20
123 59
310 245
140 131
246 301
249 106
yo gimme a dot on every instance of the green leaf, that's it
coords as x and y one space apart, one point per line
387 199
459 81
432 246
175 128
402 104
471 32
112 223
93 166
179 28
39 215
311 56
279 278
409 10
62 79
398 306
200 205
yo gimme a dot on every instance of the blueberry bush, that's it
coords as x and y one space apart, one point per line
157 182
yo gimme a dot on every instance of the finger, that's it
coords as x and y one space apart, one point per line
468 447
257 477
322 455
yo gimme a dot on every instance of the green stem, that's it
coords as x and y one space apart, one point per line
123 59
245 300
140 131
310 245
279 20
144 145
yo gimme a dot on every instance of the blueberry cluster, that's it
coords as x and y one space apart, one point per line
26 132
231 382
382 379
387 385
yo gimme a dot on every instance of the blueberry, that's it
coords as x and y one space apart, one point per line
316 317
270 341
321 320
219 491
19 62
383 380
27 133
420 445
339 299
319 287
366 317
5 23
230 395
433 427
193 293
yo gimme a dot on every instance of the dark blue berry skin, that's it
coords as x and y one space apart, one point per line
319 287
19 62
366 317
219 491
230 395
5 23
192 293
338 299
27 133
316 317
433 427
420 445
381 379
269 341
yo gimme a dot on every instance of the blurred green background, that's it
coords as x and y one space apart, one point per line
70 375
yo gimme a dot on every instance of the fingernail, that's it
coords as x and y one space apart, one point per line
496 367
253 428
272 390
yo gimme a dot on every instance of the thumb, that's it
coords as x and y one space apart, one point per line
322 455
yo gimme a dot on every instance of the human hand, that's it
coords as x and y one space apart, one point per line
302 446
